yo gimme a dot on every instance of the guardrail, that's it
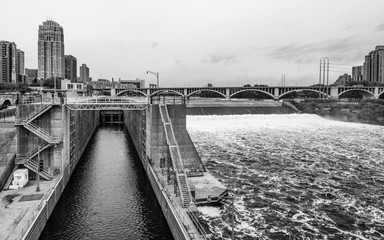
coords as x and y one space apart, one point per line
176 208
7 113
107 100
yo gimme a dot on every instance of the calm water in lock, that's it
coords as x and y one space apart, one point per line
108 195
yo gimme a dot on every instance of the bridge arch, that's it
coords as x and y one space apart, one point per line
6 102
305 89
122 93
206 90
381 96
166 91
252 90
364 93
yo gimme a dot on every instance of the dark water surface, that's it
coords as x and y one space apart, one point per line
108 195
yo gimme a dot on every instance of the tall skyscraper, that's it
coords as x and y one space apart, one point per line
71 68
373 69
11 62
84 73
51 50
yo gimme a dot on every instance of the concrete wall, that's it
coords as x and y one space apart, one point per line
58 121
146 130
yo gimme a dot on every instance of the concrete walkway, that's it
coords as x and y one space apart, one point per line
16 216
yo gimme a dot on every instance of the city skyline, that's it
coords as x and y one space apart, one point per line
195 43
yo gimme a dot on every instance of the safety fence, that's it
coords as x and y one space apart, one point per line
6 113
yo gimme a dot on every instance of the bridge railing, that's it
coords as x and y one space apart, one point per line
107 100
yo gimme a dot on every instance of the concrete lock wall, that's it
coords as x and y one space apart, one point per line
146 130
75 128
57 121
51 121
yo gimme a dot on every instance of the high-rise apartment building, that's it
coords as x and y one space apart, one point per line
20 69
71 68
373 69
357 73
51 50
84 73
11 63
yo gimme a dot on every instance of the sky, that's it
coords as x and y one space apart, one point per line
196 42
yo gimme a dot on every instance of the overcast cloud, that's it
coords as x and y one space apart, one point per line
198 42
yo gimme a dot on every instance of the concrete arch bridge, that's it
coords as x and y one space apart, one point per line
8 99
270 92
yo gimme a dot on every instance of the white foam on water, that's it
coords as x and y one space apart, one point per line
329 150
210 211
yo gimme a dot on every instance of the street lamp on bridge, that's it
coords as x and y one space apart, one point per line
157 76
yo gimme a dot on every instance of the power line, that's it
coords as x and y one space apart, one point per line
340 64
340 67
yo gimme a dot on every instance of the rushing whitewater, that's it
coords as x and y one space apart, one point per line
293 176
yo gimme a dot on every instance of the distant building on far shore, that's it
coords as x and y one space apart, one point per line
357 73
84 73
373 68
138 83
11 63
31 75
343 79
71 68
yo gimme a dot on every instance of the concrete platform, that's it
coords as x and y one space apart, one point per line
207 188
15 215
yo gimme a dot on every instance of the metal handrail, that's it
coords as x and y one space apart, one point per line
196 221
34 165
34 151
41 132
178 161
102 100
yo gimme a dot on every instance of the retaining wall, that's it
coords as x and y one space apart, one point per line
146 130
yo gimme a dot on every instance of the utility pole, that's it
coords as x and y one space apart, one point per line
321 59
327 76
324 65
38 168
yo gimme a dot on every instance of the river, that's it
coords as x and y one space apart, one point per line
108 195
293 176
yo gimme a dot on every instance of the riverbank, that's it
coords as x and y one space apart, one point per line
360 111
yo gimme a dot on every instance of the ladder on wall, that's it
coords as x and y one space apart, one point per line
181 176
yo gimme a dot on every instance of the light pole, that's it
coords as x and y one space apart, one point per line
157 76
38 165
324 62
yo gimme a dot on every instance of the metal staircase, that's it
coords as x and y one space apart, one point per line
44 134
181 176
35 114
21 159
33 165
29 160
